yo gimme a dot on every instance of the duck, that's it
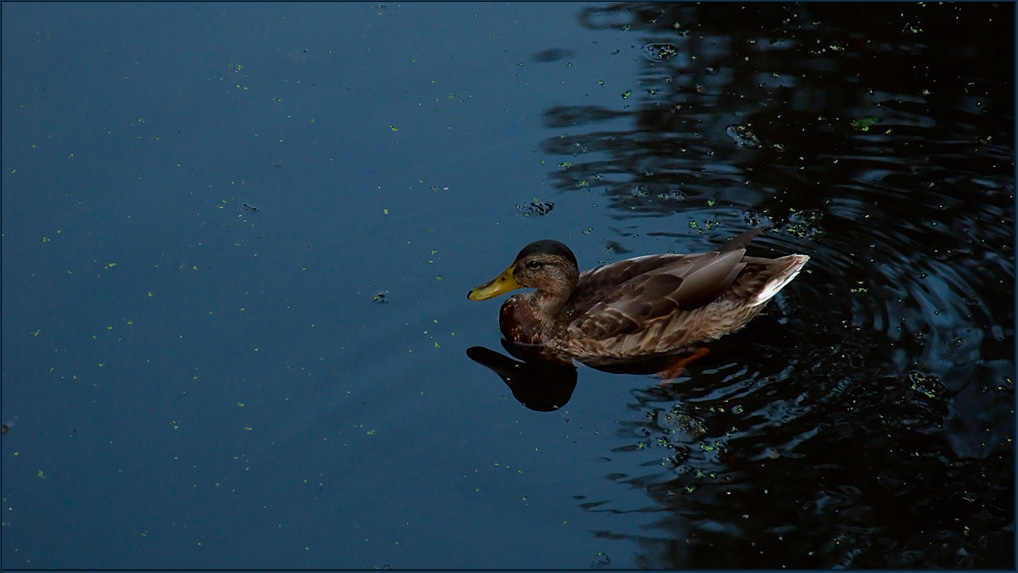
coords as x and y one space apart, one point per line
638 308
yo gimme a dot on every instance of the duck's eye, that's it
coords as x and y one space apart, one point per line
534 265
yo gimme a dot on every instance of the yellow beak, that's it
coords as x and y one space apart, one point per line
502 284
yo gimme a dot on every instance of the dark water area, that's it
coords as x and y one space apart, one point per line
237 241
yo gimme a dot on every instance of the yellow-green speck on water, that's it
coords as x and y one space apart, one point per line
864 123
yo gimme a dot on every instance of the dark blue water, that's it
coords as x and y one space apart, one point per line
237 241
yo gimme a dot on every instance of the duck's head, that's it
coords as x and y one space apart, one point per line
548 266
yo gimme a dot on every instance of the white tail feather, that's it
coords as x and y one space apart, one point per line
779 282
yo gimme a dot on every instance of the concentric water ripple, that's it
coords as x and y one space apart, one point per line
867 419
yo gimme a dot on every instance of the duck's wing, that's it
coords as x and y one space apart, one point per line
595 284
652 292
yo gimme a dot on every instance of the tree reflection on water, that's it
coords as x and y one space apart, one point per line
867 421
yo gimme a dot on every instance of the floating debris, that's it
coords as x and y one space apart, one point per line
865 123
250 207
683 426
536 207
602 560
660 52
380 297
638 190
926 384
615 248
743 136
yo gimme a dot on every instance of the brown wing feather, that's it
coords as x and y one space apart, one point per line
649 300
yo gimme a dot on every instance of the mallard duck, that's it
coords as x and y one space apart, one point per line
642 307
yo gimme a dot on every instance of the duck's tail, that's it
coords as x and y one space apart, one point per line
782 271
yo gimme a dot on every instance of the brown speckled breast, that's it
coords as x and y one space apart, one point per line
518 322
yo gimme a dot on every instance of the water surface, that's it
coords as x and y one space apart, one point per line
237 241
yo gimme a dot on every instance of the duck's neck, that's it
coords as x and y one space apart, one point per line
547 304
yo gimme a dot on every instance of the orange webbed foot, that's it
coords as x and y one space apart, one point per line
672 371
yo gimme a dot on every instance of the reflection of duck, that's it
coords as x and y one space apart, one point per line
637 308
539 386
